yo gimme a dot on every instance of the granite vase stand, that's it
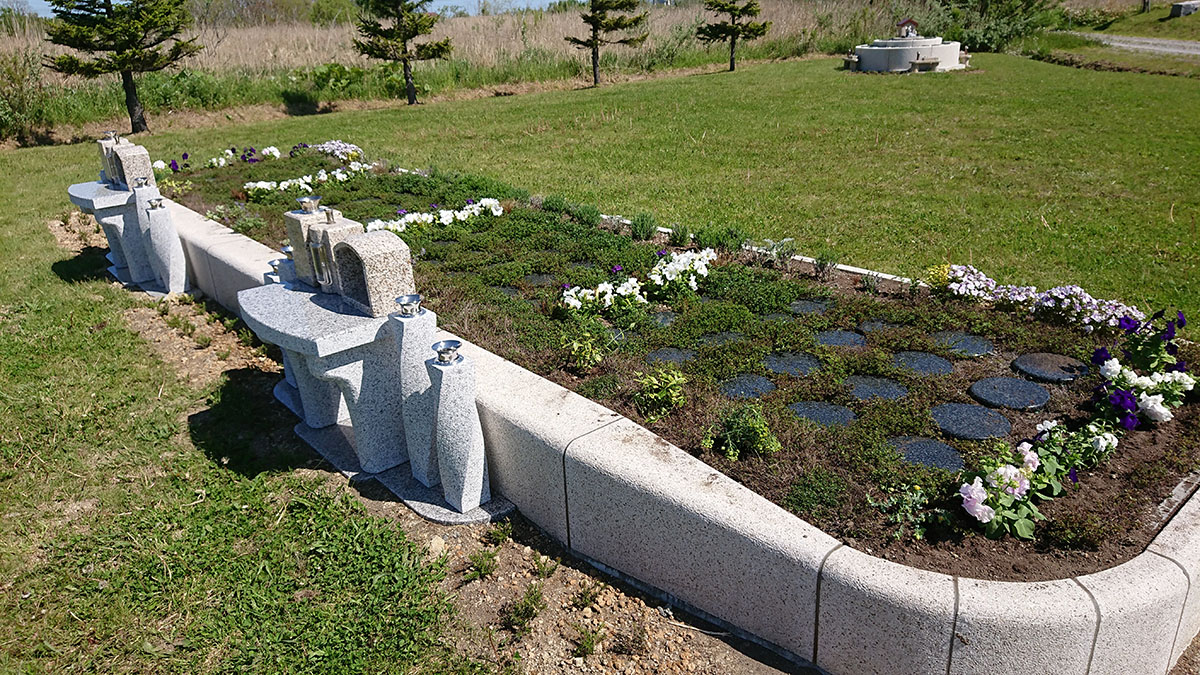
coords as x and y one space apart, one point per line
637 507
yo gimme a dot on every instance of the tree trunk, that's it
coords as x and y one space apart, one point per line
409 87
1145 6
732 50
137 114
595 57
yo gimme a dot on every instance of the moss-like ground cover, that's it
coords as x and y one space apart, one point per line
498 281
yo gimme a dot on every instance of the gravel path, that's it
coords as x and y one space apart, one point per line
1144 44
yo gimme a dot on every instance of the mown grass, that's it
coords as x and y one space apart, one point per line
1084 52
150 527
1033 172
1155 23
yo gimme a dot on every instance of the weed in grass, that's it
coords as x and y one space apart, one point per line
517 615
499 533
816 492
543 566
480 564
907 507
743 430
180 324
681 236
586 348
824 264
643 226
588 640
659 392
587 596
869 284
162 307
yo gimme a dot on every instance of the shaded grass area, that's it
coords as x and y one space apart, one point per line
1155 23
1080 52
152 527
1033 172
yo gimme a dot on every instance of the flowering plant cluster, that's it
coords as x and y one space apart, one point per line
1067 304
259 190
1151 382
249 154
443 216
347 152
605 298
678 272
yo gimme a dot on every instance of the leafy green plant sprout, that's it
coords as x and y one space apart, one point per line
588 640
681 236
907 507
586 597
743 429
780 252
499 533
585 350
869 283
643 226
659 392
517 614
481 564
824 264
544 566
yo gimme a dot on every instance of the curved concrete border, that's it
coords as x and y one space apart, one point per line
619 495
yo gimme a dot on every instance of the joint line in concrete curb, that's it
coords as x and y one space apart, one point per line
566 491
1095 633
817 609
953 628
1182 610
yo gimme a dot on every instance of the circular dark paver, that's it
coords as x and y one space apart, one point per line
863 387
825 414
508 290
778 316
840 338
809 306
928 451
964 343
796 364
922 363
538 279
970 422
670 355
875 325
1045 367
620 335
720 338
1010 392
746 386
664 319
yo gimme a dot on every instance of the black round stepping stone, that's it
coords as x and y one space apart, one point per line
922 363
927 451
796 364
970 422
825 414
1053 368
747 386
664 319
1010 392
670 355
875 325
778 316
620 335
726 337
863 387
809 306
508 290
539 279
964 343
840 338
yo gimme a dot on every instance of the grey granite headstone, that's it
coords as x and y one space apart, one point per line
1010 392
1053 368
922 363
970 422
928 451
964 343
374 269
747 386
133 162
670 355
796 364
462 464
840 338
823 413
863 387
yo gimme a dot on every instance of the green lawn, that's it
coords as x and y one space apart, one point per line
1033 172
1155 23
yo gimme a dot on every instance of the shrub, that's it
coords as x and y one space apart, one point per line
986 26
22 94
643 227
585 214
543 566
481 563
588 639
659 392
554 204
721 237
499 533
744 429
517 614
586 597
681 236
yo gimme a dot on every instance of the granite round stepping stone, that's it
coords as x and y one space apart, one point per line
1046 367
664 319
809 306
539 279
840 338
928 451
875 325
922 363
796 364
1010 392
964 343
670 355
825 414
863 387
747 386
970 422
723 338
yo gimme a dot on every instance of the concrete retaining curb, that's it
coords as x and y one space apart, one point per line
617 494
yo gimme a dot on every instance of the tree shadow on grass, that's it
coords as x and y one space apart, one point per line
246 430
297 103
90 265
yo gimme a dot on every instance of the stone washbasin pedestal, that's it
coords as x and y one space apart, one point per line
908 52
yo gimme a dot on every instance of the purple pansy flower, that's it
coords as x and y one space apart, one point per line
617 268
1180 320
174 166
401 212
1100 356
1123 400
662 252
1169 333
1177 367
1128 324
185 156
1129 421
1073 475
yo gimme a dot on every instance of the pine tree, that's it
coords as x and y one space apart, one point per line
601 21
126 37
408 20
733 29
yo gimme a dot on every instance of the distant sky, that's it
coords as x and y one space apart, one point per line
43 7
